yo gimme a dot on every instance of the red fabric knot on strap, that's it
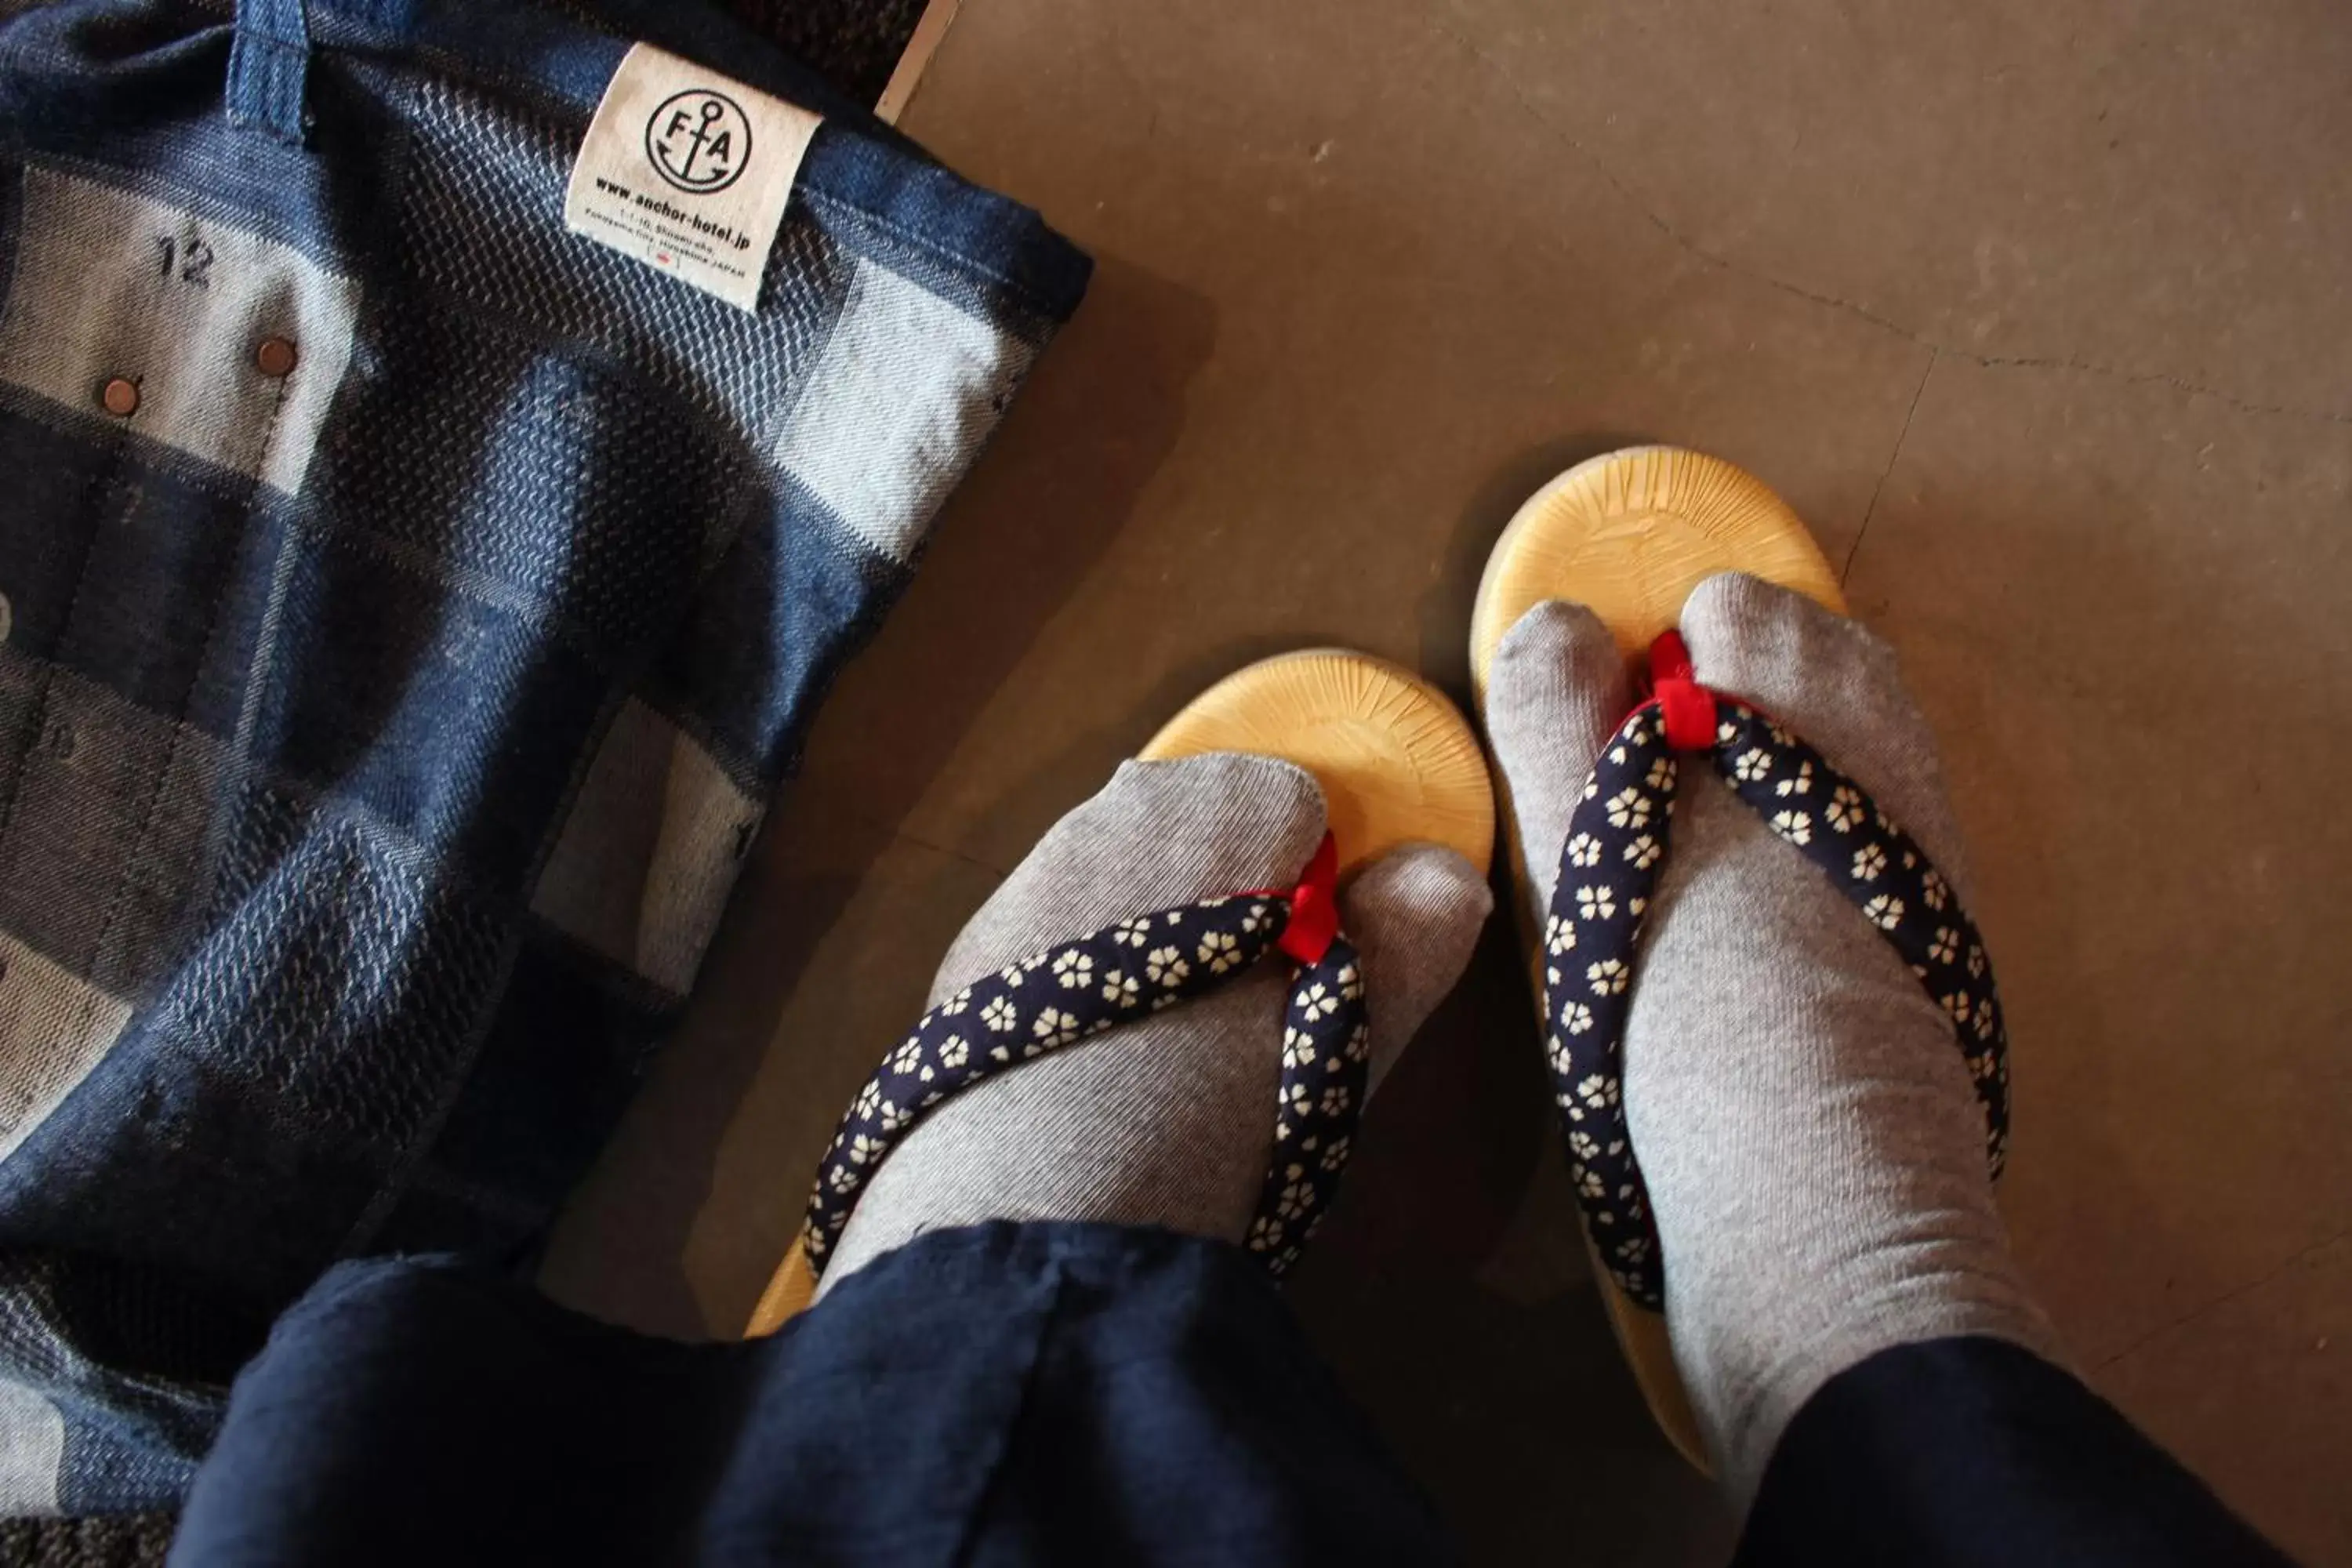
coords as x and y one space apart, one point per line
1314 907
1688 707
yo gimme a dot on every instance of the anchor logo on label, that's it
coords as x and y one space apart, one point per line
698 141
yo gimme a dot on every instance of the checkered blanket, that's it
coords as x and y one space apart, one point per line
407 611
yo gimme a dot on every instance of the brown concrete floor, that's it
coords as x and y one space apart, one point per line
2036 309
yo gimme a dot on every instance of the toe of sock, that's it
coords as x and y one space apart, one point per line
1837 684
1414 915
1557 687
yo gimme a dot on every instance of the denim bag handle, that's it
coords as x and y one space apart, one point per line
268 62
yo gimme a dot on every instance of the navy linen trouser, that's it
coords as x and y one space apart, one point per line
1047 1393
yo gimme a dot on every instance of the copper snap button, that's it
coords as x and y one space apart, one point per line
274 357
120 397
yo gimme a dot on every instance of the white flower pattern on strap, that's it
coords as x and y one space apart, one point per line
1628 808
1297 1195
1054 999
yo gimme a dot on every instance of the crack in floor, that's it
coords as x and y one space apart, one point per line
1935 357
2206 1308
1701 253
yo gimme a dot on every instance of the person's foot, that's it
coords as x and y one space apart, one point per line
1169 1120
1813 1147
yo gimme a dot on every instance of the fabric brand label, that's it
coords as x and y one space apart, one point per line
688 173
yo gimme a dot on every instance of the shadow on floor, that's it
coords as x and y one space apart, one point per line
1491 1372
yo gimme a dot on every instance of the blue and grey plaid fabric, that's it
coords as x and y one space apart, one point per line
380 736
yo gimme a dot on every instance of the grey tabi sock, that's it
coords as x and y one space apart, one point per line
1814 1149
1167 1120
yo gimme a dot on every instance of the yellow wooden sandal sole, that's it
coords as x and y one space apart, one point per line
1629 534
1396 759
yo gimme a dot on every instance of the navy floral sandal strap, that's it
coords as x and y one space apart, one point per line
1617 844
1078 989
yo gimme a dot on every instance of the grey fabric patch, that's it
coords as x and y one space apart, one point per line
105 827
32 1445
643 867
107 813
56 1028
111 285
896 407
